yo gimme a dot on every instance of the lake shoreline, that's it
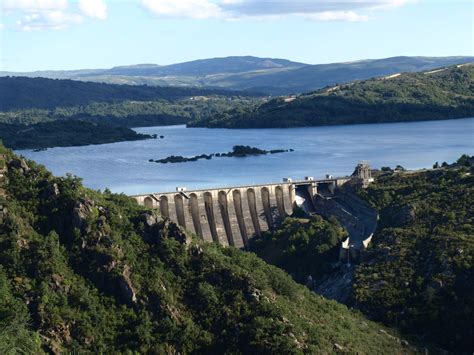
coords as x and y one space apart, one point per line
124 167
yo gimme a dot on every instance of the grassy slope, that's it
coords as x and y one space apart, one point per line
442 94
123 279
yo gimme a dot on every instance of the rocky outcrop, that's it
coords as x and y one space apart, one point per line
81 211
51 191
127 291
19 164
172 230
151 218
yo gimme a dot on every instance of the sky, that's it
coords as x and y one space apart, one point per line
78 34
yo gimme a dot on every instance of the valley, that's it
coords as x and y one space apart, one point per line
283 258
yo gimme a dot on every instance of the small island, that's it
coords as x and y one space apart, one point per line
237 151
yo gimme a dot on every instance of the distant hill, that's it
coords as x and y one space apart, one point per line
24 93
313 77
268 75
438 94
206 67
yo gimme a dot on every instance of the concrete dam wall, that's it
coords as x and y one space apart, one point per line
233 215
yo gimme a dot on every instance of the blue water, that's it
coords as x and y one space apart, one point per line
124 167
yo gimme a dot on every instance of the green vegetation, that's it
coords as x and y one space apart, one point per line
418 272
64 134
302 247
135 113
237 151
93 272
26 93
83 106
442 94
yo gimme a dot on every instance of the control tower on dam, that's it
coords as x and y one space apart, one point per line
233 215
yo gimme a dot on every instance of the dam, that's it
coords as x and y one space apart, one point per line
233 215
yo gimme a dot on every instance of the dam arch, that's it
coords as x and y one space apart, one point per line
179 206
237 198
210 216
265 195
223 206
164 207
253 210
148 202
280 202
194 211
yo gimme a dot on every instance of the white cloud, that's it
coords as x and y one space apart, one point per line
198 9
35 15
2 26
34 5
349 16
321 10
93 8
54 20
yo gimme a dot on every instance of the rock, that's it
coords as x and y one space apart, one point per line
126 288
195 250
81 211
151 218
19 164
172 230
254 293
50 191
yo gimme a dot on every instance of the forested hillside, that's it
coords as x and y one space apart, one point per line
418 272
25 93
38 113
440 94
83 271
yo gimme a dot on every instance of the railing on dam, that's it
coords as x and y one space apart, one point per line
231 215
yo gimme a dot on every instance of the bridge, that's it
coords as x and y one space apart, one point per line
233 215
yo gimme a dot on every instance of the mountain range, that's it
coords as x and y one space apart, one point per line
267 75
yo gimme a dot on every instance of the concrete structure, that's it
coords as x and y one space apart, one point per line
363 173
232 215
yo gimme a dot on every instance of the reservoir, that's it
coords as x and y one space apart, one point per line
124 167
